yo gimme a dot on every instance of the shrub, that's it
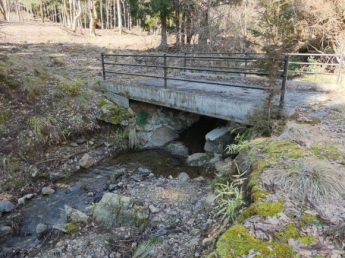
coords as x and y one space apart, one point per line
33 86
72 88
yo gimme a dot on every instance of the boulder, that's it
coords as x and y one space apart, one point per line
6 206
74 215
161 136
86 161
41 229
197 159
5 231
177 148
217 139
116 210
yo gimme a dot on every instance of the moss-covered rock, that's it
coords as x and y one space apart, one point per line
292 232
112 113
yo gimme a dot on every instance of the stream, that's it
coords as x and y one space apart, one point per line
87 187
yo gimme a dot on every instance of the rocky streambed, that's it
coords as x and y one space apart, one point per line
149 202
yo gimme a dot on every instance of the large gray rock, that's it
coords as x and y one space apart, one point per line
217 139
177 148
6 206
5 231
23 199
75 215
116 210
86 161
197 159
162 136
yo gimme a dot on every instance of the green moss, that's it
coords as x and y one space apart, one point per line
264 209
292 232
269 208
111 113
276 149
308 219
327 152
71 228
237 241
307 240
258 194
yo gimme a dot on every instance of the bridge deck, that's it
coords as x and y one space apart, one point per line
228 103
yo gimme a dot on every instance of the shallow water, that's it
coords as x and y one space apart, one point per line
49 210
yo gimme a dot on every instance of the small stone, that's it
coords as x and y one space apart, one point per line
57 175
74 144
144 171
75 215
90 194
91 142
183 177
47 191
41 229
120 184
199 179
196 255
116 174
170 177
25 197
81 140
197 159
112 187
86 161
154 209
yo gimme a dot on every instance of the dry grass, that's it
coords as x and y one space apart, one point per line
303 134
317 181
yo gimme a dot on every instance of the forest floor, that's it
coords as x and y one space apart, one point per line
48 108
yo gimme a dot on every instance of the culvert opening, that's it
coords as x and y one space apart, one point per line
194 136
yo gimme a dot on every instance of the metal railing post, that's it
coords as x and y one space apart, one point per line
165 71
339 68
103 69
245 63
184 61
285 74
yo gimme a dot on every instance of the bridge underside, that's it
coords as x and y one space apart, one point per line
227 103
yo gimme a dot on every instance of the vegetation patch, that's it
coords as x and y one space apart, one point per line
237 241
71 228
292 232
264 209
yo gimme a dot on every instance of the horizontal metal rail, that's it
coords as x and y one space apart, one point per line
165 68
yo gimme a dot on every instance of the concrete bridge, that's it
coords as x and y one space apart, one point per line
204 85
227 103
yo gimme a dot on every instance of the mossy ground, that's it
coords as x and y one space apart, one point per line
237 241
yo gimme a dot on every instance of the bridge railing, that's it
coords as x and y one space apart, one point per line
192 68
301 65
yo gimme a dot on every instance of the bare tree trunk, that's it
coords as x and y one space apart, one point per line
76 16
177 23
3 10
114 14
107 13
41 8
183 29
164 41
93 17
101 13
119 16
189 29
